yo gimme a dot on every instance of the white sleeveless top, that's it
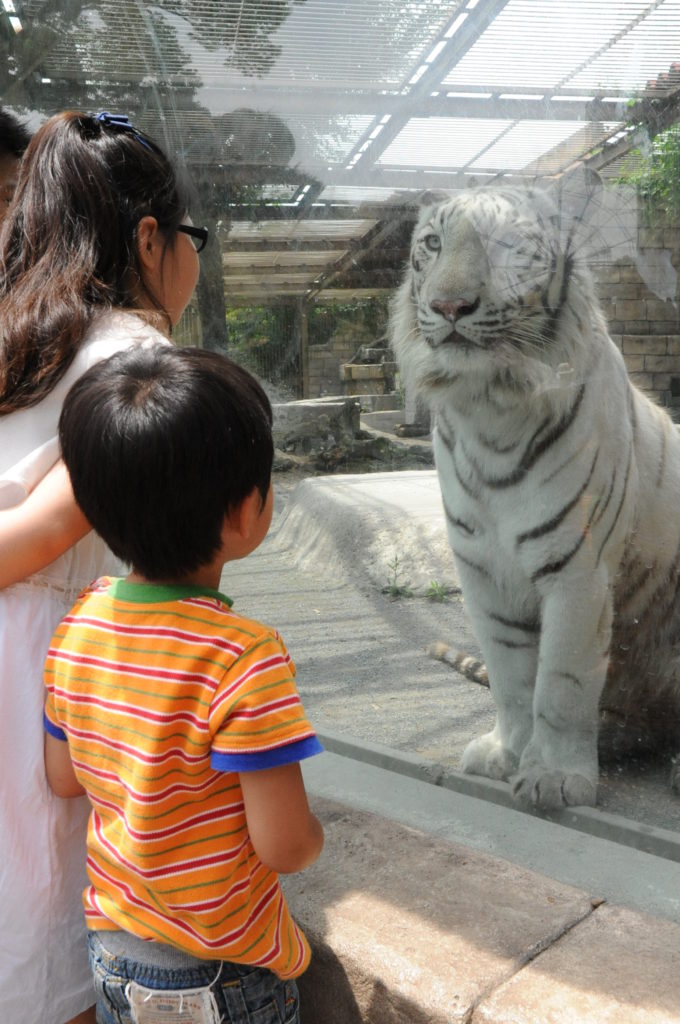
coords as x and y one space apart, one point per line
44 974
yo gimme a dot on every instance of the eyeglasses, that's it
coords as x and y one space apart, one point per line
199 236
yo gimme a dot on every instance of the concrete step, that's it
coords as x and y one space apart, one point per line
408 926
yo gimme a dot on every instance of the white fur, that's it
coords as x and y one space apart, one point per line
581 614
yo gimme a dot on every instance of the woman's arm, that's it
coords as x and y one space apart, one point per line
286 835
46 524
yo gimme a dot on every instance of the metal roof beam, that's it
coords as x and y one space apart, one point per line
504 102
455 48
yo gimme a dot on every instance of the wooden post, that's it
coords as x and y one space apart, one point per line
304 348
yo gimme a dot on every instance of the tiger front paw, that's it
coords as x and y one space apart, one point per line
487 756
551 790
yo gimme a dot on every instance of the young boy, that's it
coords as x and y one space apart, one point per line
183 723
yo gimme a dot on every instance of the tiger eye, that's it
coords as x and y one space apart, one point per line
433 243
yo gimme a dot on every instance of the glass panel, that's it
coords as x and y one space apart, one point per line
314 133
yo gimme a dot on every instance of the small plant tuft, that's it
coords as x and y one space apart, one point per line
396 587
437 591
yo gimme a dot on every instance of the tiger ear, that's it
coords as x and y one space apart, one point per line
433 197
575 191
426 203
596 219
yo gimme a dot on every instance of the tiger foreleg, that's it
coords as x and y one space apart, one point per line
511 671
559 766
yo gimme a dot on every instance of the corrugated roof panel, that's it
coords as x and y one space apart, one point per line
339 43
246 282
450 142
326 140
287 231
355 195
648 49
543 43
527 141
240 261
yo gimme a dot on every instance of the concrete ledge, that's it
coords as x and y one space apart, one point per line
658 841
408 928
400 923
330 519
617 967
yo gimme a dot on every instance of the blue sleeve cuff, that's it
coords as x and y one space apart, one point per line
288 754
53 729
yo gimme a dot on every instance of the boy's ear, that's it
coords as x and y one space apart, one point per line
149 242
243 517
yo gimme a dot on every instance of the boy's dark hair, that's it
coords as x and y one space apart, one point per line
14 137
161 443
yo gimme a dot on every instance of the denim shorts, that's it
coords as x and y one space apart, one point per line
244 995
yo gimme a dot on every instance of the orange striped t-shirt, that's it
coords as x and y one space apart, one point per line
164 695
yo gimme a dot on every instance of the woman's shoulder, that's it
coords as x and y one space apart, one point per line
114 331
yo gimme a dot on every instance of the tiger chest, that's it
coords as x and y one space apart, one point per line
482 523
506 526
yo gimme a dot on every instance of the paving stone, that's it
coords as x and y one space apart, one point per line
616 967
410 929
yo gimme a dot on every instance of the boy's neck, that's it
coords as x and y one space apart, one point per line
205 576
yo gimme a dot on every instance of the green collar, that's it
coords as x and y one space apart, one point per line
156 593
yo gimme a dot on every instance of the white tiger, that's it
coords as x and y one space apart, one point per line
560 483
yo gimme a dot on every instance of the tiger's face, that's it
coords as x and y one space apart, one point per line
487 272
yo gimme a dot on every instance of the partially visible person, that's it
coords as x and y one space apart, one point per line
178 716
96 255
14 138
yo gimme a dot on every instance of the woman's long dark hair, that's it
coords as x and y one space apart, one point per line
68 248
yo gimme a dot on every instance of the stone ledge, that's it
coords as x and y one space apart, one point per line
407 928
410 929
618 967
329 519
366 371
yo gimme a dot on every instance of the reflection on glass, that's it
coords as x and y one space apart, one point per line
314 132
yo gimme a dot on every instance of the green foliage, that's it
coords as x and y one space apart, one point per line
437 591
655 174
263 339
367 319
396 586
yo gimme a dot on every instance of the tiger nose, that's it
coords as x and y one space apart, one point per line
454 309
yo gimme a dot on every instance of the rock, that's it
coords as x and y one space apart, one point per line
306 426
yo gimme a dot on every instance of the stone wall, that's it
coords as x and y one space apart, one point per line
645 327
324 365
330 374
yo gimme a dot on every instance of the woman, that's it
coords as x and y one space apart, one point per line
96 255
